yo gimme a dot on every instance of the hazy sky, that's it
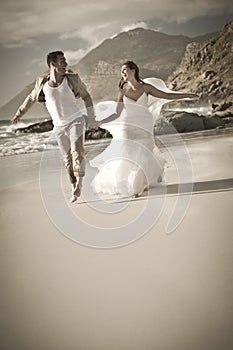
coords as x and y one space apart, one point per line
32 28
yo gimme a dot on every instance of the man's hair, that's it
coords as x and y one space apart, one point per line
53 56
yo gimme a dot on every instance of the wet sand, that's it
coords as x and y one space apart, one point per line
162 291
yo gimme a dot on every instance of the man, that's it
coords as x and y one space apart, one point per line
59 90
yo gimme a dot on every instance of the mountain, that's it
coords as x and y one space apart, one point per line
157 54
207 68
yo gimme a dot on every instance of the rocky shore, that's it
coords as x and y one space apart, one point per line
47 125
170 122
206 69
180 121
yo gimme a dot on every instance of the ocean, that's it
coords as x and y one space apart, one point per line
12 143
21 153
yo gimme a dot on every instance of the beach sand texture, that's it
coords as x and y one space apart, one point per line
163 291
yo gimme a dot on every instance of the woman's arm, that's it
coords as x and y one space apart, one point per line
119 109
151 90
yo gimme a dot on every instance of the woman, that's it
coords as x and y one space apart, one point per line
132 161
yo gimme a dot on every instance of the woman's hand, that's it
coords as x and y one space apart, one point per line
194 96
15 119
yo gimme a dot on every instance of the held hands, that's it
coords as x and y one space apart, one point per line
93 124
99 123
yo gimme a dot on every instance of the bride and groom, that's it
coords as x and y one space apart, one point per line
132 162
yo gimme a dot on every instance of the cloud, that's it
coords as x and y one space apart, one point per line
18 44
90 34
25 20
74 56
135 25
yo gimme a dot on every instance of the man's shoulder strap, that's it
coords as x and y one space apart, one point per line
72 77
40 81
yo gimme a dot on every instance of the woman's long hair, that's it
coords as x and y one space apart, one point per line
131 65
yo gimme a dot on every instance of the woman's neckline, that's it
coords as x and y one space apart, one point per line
132 99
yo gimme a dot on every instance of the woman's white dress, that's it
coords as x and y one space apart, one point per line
132 162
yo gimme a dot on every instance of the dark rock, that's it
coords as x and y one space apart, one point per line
186 122
45 126
223 110
228 121
213 122
94 134
222 107
209 74
222 114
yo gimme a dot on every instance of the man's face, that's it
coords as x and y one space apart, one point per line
60 65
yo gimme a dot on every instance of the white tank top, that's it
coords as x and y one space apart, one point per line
61 103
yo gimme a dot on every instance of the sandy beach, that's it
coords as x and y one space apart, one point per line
155 290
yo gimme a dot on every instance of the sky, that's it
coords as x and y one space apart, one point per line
29 29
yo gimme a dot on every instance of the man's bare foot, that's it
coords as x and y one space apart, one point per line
73 199
160 179
75 192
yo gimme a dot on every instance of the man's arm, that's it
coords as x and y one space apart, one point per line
86 97
27 103
89 107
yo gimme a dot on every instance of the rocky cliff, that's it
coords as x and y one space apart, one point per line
207 68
